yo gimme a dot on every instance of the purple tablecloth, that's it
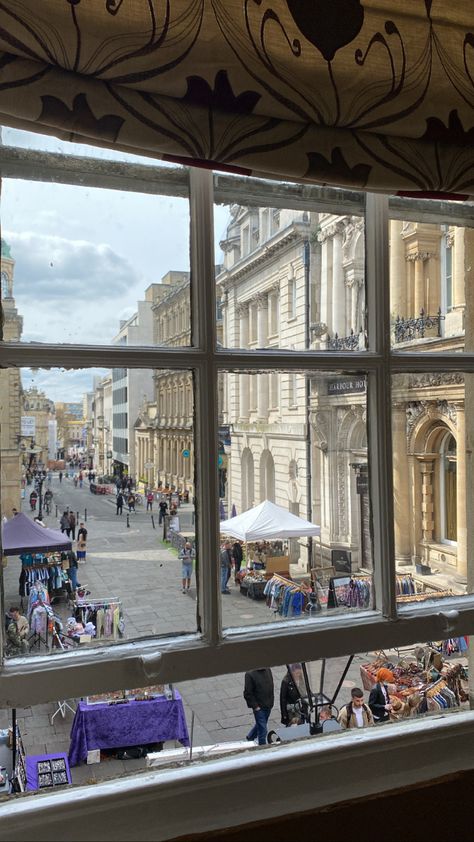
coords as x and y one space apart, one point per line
130 724
32 768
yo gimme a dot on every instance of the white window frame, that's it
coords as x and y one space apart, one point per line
216 650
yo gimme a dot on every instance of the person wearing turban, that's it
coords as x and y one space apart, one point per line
379 699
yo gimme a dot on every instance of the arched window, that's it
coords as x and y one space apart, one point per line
448 488
247 479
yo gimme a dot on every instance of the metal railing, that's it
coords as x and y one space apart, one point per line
405 330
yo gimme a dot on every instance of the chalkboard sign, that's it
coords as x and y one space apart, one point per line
341 561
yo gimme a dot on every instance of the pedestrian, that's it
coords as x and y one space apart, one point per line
64 524
237 555
119 503
356 714
81 546
379 699
131 502
69 558
187 556
226 566
72 525
258 693
60 476
327 722
75 480
33 499
163 507
292 706
82 531
17 632
149 501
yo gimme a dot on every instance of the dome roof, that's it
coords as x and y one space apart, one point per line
6 251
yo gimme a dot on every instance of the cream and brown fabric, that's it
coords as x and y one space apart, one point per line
363 93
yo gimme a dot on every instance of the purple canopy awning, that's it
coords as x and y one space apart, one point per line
22 535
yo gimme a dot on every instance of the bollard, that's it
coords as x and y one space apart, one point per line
153 522
77 518
85 514
128 522
56 511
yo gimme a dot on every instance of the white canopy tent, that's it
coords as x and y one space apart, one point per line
268 521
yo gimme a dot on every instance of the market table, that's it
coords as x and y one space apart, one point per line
32 768
113 725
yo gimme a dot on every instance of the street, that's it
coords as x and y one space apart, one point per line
134 565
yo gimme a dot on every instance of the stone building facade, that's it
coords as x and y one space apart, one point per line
265 289
164 449
10 391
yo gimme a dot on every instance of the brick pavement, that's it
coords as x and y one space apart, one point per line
135 565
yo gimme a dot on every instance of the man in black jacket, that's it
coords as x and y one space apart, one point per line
258 693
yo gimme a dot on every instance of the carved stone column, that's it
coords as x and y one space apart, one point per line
461 495
338 290
262 341
457 242
244 385
427 505
401 485
419 284
398 270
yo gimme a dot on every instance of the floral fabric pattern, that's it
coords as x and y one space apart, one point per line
376 95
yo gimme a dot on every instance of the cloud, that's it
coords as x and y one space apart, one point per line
50 268
60 384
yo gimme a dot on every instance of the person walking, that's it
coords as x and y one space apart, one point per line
60 476
187 556
226 566
259 695
119 503
82 531
81 546
81 479
131 502
149 501
292 706
356 714
163 507
64 524
237 555
72 525
379 699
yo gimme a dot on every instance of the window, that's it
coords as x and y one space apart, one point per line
352 415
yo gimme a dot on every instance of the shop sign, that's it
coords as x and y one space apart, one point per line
28 425
344 387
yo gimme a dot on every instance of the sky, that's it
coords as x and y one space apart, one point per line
84 256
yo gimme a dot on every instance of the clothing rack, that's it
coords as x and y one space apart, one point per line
422 597
288 583
83 609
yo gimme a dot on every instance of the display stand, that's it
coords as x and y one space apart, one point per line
336 584
62 707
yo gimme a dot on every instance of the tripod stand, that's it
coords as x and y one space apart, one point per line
63 705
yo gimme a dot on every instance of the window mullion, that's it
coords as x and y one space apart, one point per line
204 336
379 402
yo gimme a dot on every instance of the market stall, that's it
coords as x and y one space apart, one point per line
126 722
266 527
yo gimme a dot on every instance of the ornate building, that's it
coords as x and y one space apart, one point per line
42 409
164 449
265 291
10 391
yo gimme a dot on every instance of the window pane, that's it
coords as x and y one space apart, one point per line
49 143
292 279
429 298
430 426
299 442
302 700
96 266
106 459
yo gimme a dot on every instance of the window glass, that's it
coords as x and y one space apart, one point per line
104 459
429 297
430 427
290 278
49 143
86 265
303 459
313 700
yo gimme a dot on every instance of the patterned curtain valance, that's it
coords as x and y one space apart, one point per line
363 93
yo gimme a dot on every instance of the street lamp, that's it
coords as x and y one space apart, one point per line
34 451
